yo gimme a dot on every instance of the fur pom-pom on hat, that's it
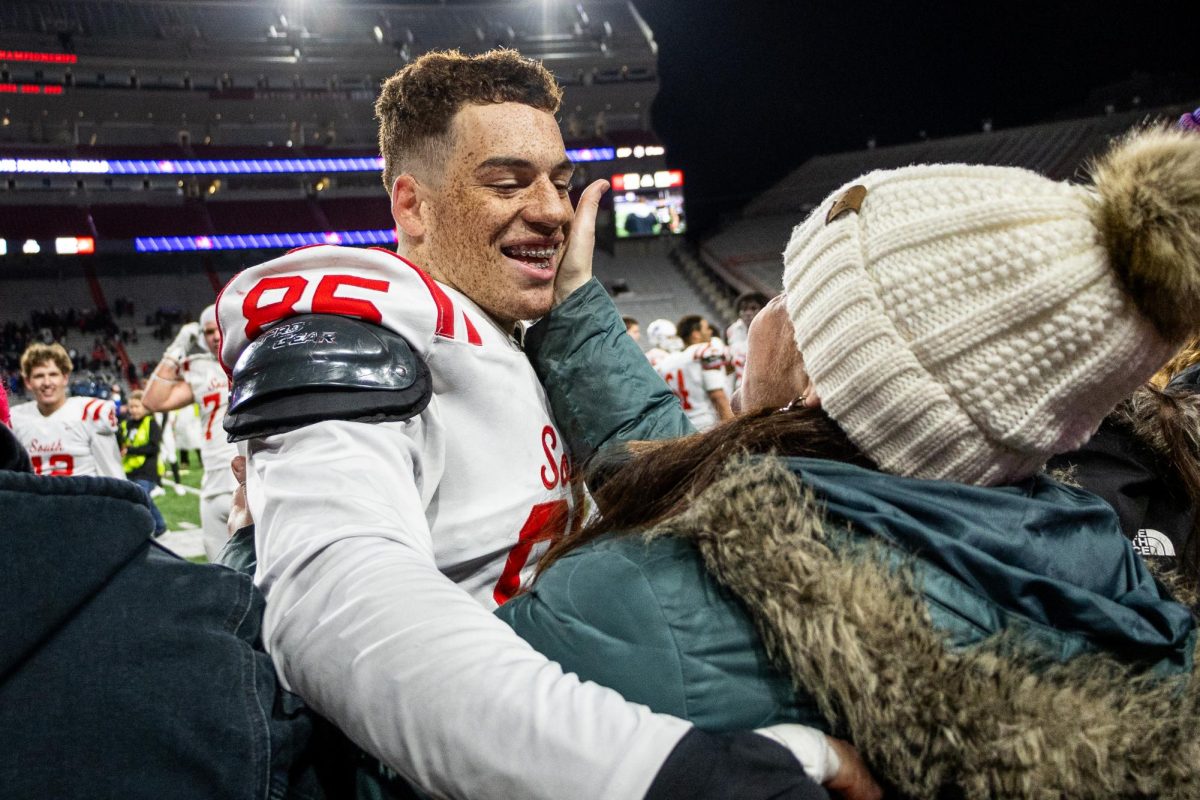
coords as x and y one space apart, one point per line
968 322
1149 217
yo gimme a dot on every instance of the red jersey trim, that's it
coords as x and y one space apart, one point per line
472 334
445 307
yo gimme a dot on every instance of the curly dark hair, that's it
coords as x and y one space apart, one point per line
416 104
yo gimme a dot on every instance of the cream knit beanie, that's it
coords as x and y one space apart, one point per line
967 322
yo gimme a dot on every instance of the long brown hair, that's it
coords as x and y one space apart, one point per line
655 481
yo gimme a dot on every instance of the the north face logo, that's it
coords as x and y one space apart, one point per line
1150 542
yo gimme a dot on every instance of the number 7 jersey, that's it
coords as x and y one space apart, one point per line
210 388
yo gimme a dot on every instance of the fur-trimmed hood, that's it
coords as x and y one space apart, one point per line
991 721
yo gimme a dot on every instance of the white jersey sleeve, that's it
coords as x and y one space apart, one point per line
712 359
102 440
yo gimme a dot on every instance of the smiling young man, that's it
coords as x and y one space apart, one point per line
404 469
64 435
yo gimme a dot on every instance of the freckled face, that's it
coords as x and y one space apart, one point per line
498 219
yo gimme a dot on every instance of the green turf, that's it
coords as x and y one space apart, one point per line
177 509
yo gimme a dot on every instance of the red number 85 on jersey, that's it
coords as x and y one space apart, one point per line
324 299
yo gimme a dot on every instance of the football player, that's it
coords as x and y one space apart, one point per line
697 374
404 469
64 435
189 373
660 335
748 304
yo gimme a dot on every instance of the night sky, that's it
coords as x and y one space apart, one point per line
749 90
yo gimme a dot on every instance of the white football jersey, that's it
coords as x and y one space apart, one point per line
382 549
692 374
77 439
210 387
737 357
655 355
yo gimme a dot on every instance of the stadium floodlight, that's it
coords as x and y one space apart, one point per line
31 247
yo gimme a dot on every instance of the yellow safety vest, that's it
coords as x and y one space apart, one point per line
135 437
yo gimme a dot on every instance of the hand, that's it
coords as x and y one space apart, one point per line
575 269
833 763
852 780
239 509
185 341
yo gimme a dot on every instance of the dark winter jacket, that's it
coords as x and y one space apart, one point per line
1128 463
126 671
977 642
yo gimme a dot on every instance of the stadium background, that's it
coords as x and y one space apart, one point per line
149 149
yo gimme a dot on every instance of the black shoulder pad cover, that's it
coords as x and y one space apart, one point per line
319 367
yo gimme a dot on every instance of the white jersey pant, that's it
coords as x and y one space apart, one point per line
214 515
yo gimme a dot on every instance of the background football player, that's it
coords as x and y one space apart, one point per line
189 373
64 435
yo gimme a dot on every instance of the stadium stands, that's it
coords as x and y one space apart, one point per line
128 220
29 221
747 252
654 285
356 213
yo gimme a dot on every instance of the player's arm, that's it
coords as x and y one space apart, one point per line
166 390
363 625
720 401
713 362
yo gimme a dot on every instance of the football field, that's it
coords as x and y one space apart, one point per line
182 513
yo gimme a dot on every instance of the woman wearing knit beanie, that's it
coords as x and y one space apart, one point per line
871 549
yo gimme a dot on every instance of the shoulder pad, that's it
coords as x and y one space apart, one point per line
319 367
